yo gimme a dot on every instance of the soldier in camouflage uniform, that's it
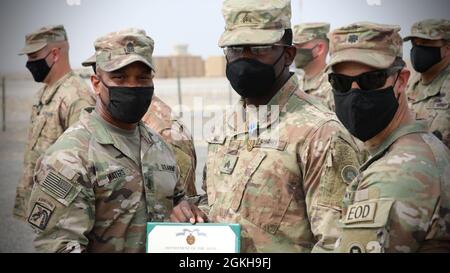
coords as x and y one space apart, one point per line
312 44
429 89
400 201
109 174
281 173
58 104
311 39
160 118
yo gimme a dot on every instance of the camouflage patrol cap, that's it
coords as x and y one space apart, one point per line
307 32
431 29
255 22
372 44
118 49
40 38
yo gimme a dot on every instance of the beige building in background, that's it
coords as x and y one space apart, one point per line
179 63
187 65
215 66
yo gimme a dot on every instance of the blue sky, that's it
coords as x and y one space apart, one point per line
198 23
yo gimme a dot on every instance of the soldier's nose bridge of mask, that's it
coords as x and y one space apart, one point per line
308 45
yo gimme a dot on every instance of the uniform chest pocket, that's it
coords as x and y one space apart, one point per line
118 187
45 127
52 129
160 182
38 125
263 197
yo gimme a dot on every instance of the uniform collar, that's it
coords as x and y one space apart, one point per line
49 91
432 89
100 132
406 129
237 120
315 82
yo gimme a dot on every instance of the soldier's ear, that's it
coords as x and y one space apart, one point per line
321 48
446 50
95 81
402 81
56 54
290 55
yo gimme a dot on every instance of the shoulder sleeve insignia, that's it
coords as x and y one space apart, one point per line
56 185
360 212
349 173
40 216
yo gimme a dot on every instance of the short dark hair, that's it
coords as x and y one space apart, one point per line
287 37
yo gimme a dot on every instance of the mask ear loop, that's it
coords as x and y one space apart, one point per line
312 49
107 87
276 62
49 54
395 83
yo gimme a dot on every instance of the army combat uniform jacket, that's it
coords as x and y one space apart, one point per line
285 186
400 202
173 131
56 108
432 103
91 195
319 87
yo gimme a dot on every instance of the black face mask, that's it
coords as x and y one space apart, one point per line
365 113
251 78
425 57
39 69
129 104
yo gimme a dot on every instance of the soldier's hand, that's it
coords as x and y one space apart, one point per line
185 212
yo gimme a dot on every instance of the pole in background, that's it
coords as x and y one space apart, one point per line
230 95
177 71
3 104
180 101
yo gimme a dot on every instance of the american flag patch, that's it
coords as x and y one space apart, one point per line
56 185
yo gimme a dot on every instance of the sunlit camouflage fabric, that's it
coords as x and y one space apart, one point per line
320 88
121 48
430 102
159 117
372 44
317 86
42 37
255 21
56 107
400 202
430 29
90 195
284 185
307 32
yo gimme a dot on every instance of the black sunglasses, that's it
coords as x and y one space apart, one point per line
371 80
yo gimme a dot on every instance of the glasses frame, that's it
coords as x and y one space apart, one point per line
388 72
